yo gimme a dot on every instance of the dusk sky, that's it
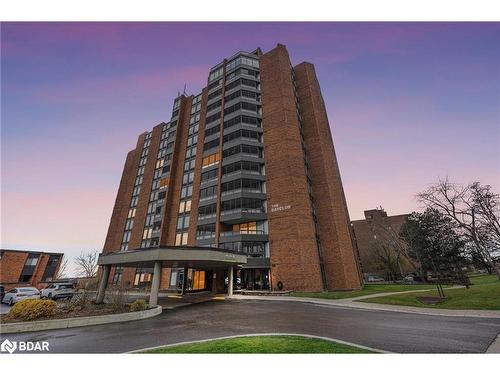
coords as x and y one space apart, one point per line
407 103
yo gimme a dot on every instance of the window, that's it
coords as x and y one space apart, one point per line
188 177
242 93
207 210
117 277
242 133
245 184
192 140
131 213
126 236
210 131
241 81
209 175
188 165
185 206
210 160
244 149
181 239
205 231
186 191
242 120
251 204
215 105
208 192
215 74
190 152
182 222
147 233
129 224
214 84
241 165
246 228
214 94
213 118
211 144
242 105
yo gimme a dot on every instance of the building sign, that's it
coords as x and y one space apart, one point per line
277 207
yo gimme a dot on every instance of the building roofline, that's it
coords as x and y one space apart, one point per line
31 251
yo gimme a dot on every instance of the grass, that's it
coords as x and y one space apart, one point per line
484 294
366 290
263 345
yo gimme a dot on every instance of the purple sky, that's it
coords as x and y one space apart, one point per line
407 103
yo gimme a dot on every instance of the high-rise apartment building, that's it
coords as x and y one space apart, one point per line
247 165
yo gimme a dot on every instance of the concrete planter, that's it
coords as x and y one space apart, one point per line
42 325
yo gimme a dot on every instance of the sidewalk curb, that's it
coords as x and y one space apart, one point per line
494 347
43 325
490 314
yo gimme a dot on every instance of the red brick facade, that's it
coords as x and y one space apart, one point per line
12 263
307 251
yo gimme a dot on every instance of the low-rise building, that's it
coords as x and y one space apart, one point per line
377 239
28 268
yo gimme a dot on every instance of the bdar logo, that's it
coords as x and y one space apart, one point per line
8 346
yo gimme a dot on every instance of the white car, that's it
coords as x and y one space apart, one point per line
20 294
58 291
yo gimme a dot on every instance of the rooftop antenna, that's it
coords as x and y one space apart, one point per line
184 89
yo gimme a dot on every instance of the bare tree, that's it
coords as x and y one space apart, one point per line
475 210
87 264
61 271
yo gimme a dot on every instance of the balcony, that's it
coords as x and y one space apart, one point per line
242 215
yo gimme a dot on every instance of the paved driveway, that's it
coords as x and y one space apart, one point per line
391 331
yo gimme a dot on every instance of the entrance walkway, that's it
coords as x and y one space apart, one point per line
356 303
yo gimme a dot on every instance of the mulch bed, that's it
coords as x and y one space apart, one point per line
65 310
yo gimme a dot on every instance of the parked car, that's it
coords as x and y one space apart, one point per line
58 291
2 292
409 278
20 294
374 279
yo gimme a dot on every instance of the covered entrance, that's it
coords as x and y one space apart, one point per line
201 265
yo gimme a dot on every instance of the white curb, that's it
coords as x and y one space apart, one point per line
42 325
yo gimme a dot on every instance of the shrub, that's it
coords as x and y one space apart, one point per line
31 309
138 305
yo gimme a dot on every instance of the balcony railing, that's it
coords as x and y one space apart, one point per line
244 211
243 231
242 190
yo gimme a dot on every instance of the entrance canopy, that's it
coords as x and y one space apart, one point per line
202 258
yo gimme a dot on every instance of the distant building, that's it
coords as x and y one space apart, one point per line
28 268
375 237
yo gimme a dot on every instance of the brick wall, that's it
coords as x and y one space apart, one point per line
340 260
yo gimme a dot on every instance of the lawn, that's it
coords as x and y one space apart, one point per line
366 290
484 294
262 345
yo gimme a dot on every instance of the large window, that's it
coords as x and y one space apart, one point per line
208 210
210 160
29 268
250 204
243 149
242 120
242 183
241 165
208 192
242 133
209 175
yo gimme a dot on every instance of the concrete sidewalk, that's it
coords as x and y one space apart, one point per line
355 303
